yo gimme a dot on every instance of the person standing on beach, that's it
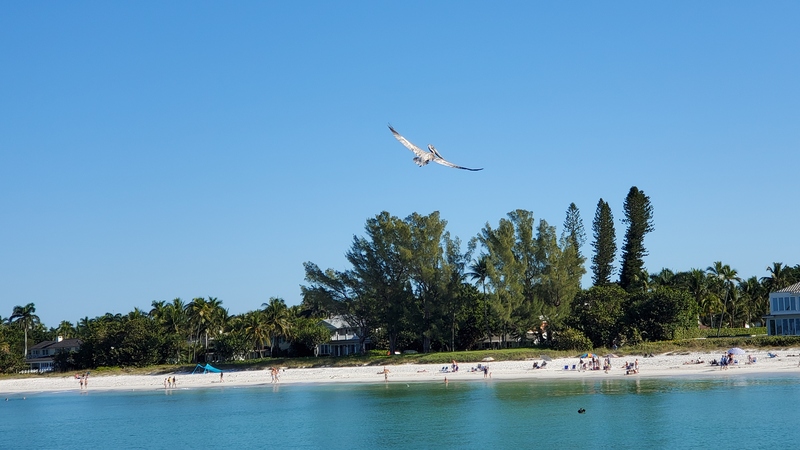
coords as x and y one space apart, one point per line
385 374
220 378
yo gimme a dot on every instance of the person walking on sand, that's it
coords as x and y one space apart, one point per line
275 377
220 378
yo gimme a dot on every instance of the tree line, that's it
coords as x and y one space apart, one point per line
174 332
410 285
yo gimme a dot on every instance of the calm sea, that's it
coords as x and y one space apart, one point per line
739 411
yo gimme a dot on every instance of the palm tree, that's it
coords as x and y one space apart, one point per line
756 303
778 278
277 320
26 318
664 278
204 316
65 329
696 282
724 276
641 280
257 330
479 271
84 327
171 317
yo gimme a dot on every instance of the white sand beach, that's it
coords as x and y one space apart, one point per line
665 365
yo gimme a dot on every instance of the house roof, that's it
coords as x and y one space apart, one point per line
795 289
335 323
65 343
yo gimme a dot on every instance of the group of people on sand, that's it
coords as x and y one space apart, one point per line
727 360
453 368
631 368
83 379
170 382
273 373
594 364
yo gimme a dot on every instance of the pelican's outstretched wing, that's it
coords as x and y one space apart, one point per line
417 151
437 157
447 163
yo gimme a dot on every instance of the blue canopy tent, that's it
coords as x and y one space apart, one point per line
207 368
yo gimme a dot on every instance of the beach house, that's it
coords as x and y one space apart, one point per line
40 357
344 339
784 312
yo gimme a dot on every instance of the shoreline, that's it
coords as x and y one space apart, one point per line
657 366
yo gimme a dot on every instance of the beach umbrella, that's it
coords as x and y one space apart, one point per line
488 359
589 355
545 357
736 351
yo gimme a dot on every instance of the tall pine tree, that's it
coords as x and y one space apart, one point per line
639 218
605 245
574 232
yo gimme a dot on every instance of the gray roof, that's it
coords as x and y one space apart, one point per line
335 322
65 343
795 288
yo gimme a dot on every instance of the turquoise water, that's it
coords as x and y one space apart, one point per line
739 412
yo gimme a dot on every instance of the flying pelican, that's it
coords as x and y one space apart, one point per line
424 157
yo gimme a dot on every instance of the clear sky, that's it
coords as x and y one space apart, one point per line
153 150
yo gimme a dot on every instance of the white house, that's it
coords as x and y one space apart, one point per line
784 312
344 339
40 356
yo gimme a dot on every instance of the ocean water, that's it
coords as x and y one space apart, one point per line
742 411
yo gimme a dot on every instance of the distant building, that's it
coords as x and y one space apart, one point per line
344 339
784 312
40 356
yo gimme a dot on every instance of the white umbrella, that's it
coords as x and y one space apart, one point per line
736 351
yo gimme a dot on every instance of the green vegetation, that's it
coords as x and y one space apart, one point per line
410 285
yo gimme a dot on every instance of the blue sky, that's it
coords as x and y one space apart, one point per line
155 150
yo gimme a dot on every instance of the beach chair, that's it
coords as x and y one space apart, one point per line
573 367
566 367
772 355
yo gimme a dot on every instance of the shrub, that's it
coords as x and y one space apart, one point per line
572 339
